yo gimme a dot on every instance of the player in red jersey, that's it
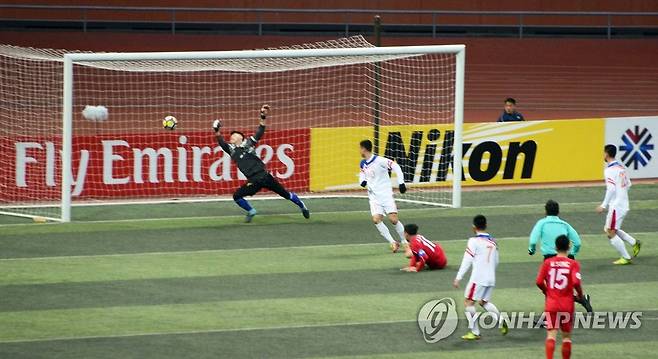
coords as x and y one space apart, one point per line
422 252
558 277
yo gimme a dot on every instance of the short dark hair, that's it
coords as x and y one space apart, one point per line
562 243
367 144
480 222
411 229
552 208
510 100
611 150
238 132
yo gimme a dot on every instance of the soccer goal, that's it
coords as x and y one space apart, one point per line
81 128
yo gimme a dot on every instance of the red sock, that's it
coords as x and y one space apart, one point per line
550 348
566 348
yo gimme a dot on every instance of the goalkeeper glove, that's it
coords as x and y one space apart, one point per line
263 111
403 188
216 125
364 184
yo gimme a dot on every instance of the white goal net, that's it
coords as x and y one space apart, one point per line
325 98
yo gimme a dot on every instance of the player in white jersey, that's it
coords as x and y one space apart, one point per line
375 176
482 254
616 202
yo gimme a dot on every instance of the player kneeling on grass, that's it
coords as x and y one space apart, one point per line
558 277
482 254
375 177
422 252
243 152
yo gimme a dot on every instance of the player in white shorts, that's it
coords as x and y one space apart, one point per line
616 202
482 254
375 177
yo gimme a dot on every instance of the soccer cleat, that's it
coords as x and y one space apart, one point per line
636 248
622 261
306 213
504 329
250 215
395 246
470 336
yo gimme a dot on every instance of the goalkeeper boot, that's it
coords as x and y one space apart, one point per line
504 329
636 248
306 213
250 215
622 261
470 336
395 246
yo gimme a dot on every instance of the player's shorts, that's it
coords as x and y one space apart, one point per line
382 206
614 218
478 292
559 320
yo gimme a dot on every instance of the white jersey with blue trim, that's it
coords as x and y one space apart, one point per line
617 186
482 253
375 171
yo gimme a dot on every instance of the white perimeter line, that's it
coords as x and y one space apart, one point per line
131 220
182 332
207 251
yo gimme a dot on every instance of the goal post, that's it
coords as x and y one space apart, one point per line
322 106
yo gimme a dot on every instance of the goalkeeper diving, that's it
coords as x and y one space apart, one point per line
243 152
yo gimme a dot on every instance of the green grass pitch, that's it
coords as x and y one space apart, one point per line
192 281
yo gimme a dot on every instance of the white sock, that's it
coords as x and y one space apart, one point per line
491 308
473 323
383 230
626 237
400 229
619 246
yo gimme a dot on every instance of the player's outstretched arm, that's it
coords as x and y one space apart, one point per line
261 127
217 126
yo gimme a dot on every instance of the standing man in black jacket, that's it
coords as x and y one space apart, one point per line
243 152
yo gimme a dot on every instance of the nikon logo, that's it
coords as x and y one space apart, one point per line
437 160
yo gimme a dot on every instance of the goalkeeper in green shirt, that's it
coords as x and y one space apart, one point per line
548 229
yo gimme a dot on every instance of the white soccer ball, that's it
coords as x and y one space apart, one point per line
169 122
95 113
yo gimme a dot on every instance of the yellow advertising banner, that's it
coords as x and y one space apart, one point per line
494 153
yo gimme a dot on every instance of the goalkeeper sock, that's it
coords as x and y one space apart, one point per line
294 199
244 204
626 237
472 316
550 347
383 230
619 246
491 308
566 348
400 229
